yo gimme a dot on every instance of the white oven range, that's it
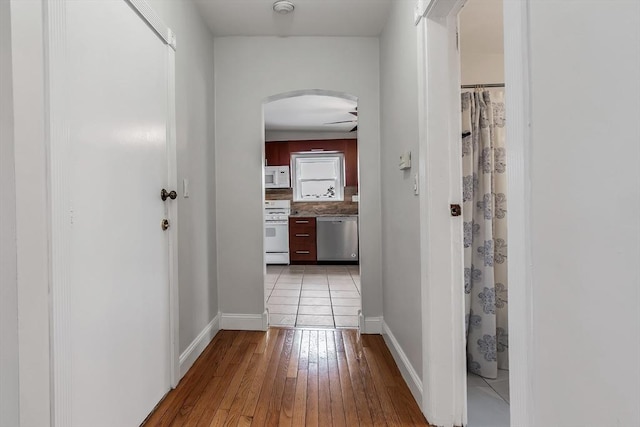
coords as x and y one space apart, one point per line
276 231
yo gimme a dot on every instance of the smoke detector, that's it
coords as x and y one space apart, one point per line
283 7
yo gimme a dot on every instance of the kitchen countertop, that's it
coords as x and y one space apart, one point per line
313 215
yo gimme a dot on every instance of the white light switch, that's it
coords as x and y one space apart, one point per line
416 189
405 160
185 188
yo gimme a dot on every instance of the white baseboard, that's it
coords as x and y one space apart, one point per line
406 369
244 322
195 349
371 325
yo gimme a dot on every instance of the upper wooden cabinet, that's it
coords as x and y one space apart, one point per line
270 155
279 154
351 161
272 152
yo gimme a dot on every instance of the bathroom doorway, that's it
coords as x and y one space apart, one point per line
443 234
484 212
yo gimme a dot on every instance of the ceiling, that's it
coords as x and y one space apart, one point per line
310 113
481 31
310 17
481 27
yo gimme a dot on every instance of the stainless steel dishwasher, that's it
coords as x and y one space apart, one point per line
337 238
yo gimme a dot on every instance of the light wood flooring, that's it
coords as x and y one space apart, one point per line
291 377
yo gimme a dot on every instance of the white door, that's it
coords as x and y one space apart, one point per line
117 113
441 232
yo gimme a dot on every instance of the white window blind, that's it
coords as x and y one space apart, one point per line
318 176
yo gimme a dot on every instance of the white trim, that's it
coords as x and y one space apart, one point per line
147 13
58 147
172 216
455 189
406 368
244 322
197 346
425 297
320 92
442 9
373 325
518 140
444 364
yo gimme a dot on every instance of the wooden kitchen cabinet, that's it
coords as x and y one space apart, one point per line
302 240
317 145
272 154
279 154
351 162
276 153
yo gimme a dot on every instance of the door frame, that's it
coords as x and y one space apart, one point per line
57 146
444 400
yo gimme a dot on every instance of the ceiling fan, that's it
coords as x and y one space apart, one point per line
355 120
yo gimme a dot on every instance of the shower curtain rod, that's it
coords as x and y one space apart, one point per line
482 85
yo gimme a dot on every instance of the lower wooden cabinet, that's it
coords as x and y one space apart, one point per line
302 240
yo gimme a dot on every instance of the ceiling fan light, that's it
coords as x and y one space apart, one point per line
283 7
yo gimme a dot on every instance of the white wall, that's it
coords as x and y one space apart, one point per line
400 206
585 187
292 135
31 211
9 380
480 68
196 215
248 70
481 40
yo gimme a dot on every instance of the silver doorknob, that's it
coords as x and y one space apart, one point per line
164 194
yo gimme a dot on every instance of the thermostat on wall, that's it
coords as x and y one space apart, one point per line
405 160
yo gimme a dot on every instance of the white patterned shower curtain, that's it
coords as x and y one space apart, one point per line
485 231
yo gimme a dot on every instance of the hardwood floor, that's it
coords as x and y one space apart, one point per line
291 377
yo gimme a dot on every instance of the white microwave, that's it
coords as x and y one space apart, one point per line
276 177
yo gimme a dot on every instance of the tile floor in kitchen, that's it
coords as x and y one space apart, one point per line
313 295
488 400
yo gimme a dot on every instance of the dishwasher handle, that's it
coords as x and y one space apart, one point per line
337 219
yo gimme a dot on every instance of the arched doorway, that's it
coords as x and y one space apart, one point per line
312 274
